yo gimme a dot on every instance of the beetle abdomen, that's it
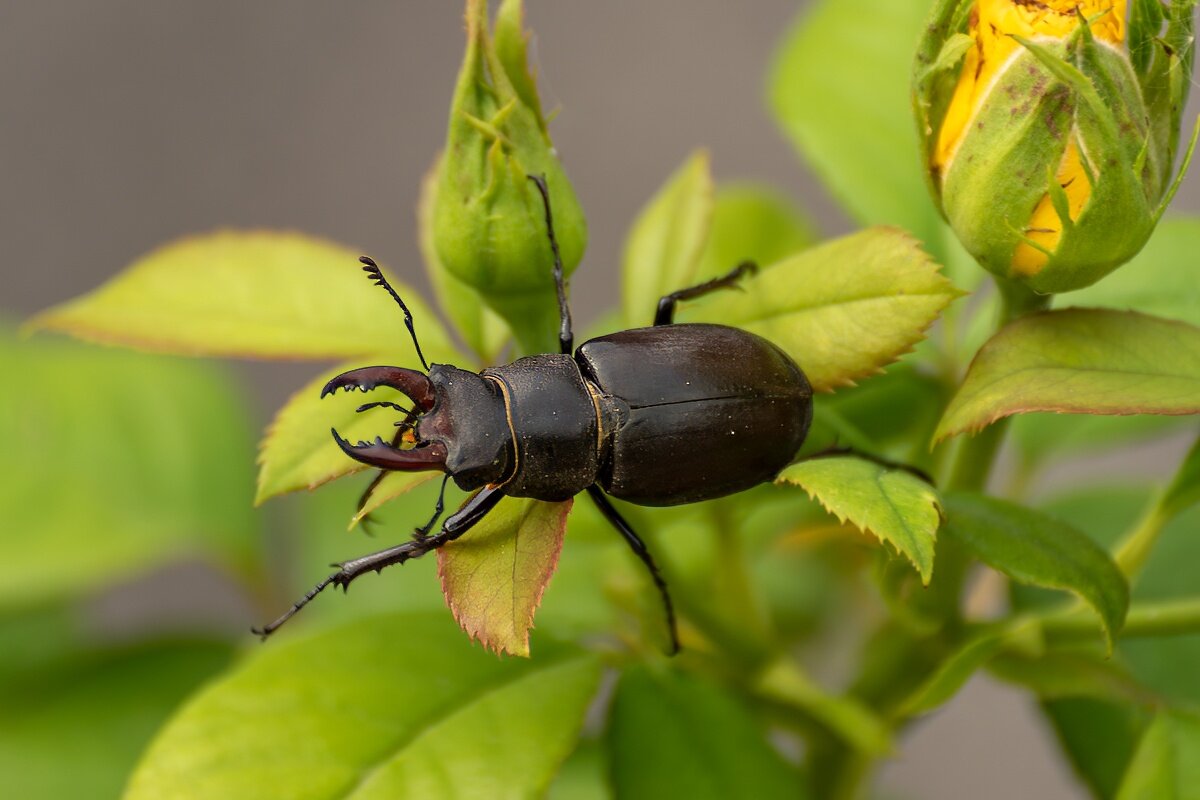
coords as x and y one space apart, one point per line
707 411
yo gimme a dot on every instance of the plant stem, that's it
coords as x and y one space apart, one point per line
1166 618
975 457
1134 549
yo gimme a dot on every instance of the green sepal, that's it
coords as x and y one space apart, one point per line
489 225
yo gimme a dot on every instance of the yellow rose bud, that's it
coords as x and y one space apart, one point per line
1050 128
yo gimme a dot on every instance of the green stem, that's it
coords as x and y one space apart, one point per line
1134 550
976 455
1166 618
970 470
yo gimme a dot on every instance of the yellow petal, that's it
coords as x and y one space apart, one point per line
993 25
1045 228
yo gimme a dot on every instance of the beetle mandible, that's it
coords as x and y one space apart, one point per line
657 416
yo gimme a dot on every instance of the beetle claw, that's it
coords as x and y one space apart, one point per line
414 385
381 454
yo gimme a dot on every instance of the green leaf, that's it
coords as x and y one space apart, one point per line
752 223
1033 548
669 735
76 729
484 331
843 310
1160 280
257 294
1166 765
1098 737
1056 675
1079 361
494 576
379 708
115 463
839 88
663 248
393 485
891 504
583 776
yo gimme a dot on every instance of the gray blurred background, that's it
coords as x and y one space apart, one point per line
126 124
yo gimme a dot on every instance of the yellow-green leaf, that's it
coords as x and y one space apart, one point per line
392 706
1079 361
393 485
1038 550
842 310
664 246
893 505
494 576
259 294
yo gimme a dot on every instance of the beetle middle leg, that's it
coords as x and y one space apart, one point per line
666 305
566 338
470 513
642 552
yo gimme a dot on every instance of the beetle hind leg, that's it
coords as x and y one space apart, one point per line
666 305
643 553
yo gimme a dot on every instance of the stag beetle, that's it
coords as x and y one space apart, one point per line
658 416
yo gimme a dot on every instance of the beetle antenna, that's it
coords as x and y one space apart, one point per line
376 274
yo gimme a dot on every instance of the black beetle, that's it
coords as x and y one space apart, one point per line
658 416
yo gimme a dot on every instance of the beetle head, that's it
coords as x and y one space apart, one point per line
458 423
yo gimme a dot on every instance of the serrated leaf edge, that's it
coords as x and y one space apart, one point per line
526 624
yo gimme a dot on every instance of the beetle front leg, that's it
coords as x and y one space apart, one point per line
666 305
475 509
642 552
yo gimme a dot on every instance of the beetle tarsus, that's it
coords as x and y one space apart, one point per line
474 509
730 280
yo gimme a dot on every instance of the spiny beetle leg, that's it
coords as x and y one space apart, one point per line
666 306
470 513
831 452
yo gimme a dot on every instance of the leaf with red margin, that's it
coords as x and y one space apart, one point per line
494 576
1079 361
